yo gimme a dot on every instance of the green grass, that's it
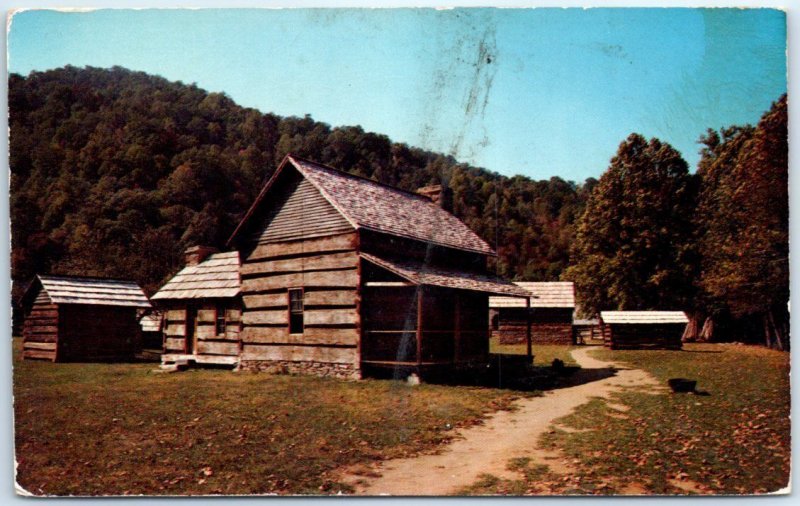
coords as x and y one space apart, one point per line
89 429
543 354
733 438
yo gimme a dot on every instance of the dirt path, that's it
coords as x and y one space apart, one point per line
505 435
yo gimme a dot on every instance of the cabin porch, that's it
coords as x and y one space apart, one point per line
425 330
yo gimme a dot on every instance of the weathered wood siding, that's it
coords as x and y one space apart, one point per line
326 268
198 319
548 326
642 336
40 330
208 341
175 331
88 332
299 212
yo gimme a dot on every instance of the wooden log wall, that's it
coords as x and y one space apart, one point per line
175 331
643 336
327 270
548 326
92 332
209 342
299 211
40 330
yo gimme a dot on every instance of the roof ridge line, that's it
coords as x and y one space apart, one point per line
356 176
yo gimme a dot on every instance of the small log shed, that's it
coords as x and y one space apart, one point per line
345 276
72 319
552 304
643 329
202 309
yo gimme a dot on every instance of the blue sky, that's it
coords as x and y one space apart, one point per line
539 92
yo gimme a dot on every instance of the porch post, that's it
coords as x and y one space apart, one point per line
419 325
457 329
528 328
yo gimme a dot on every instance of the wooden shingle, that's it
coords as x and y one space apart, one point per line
102 292
216 277
371 205
420 274
643 317
556 294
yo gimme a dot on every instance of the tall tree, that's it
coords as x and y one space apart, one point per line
745 243
633 248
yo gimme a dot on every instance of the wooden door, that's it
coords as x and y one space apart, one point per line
191 327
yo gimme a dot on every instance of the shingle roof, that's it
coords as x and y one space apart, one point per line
216 276
422 274
101 292
375 206
545 294
647 317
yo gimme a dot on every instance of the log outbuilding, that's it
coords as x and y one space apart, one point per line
552 304
71 319
643 329
345 276
202 305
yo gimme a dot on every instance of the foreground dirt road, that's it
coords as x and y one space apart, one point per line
505 435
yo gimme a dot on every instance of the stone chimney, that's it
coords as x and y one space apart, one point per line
196 254
443 197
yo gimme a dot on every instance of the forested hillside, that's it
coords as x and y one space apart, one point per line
115 173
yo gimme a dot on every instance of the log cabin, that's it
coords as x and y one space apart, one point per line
345 276
202 309
643 329
72 319
551 307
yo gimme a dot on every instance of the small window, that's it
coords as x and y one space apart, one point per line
220 321
295 310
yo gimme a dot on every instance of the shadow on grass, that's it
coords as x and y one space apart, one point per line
511 372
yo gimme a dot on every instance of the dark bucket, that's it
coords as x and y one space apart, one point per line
682 385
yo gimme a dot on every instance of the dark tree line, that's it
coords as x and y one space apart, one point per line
714 244
115 173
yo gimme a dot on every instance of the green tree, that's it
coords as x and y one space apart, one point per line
633 249
744 205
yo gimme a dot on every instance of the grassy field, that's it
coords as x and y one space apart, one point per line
90 429
732 437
